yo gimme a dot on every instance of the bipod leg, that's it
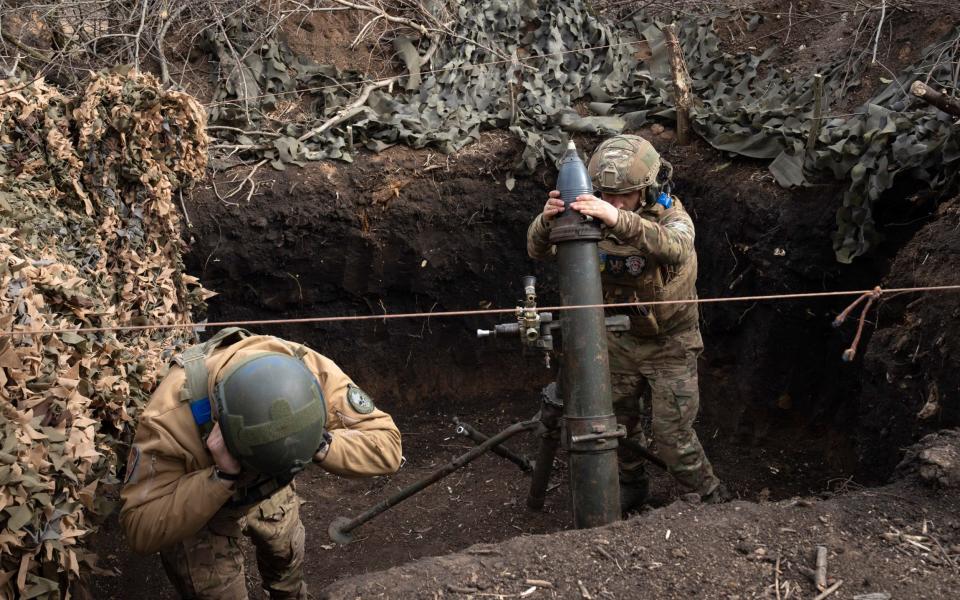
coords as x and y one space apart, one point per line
549 440
466 430
341 528
643 452
550 412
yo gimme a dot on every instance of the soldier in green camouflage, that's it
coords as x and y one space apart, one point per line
646 254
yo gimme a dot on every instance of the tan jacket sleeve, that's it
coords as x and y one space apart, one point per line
538 239
670 241
170 492
363 445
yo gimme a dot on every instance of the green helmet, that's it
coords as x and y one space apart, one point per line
624 163
271 413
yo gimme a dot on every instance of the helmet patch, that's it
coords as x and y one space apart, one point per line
359 401
635 264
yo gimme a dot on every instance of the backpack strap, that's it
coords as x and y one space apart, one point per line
194 363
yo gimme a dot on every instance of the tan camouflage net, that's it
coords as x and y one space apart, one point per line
89 236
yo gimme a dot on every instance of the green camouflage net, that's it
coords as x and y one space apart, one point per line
526 65
89 237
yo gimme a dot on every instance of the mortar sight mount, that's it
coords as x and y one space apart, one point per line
535 329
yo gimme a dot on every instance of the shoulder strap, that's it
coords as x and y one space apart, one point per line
193 361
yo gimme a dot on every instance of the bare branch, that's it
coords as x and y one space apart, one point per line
350 110
944 102
136 43
384 14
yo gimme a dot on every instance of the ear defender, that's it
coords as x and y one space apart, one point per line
652 193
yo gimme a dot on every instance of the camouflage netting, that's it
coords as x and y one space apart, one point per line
89 237
522 65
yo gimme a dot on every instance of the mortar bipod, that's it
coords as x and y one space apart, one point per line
466 430
551 416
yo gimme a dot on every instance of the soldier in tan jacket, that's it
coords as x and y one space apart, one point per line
215 453
647 253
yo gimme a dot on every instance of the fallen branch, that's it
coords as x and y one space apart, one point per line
248 179
186 216
876 40
243 131
776 569
946 103
385 15
829 590
821 572
31 52
348 111
138 35
161 34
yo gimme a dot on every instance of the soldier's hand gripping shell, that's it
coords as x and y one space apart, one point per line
553 207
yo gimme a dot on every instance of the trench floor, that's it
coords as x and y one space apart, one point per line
481 503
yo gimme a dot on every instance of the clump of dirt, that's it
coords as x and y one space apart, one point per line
934 460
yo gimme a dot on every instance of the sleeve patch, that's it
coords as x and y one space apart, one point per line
359 400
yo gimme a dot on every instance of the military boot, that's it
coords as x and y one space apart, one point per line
719 495
634 489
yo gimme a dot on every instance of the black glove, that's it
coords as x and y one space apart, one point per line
324 444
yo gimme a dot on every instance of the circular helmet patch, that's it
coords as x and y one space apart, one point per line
635 264
359 400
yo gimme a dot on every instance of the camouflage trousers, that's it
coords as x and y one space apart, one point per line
209 565
667 368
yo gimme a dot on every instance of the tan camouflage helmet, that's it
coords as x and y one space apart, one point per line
624 163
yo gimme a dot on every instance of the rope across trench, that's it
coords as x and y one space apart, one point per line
871 295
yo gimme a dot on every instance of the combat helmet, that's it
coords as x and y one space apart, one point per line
272 413
624 163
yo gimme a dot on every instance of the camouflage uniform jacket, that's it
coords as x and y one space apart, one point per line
646 255
170 492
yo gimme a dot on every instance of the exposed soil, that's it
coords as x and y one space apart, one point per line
782 416
734 551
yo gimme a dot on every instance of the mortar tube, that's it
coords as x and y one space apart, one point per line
588 401
340 528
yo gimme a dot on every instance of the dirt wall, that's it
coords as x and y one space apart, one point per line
391 234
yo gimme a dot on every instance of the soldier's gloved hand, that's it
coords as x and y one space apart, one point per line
553 207
221 456
321 452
